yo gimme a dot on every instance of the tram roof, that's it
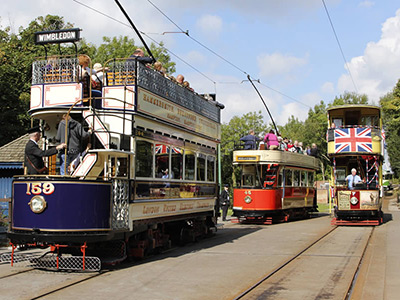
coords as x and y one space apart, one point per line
353 106
275 157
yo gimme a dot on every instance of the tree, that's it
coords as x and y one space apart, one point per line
231 133
18 51
350 98
390 104
123 47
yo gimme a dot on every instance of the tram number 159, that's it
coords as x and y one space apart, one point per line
36 188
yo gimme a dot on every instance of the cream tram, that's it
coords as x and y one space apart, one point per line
150 176
355 142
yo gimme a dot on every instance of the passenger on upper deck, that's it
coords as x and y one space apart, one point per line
85 73
353 179
180 79
99 75
34 155
314 150
76 137
250 141
138 55
284 144
271 141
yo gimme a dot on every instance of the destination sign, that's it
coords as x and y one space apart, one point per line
57 36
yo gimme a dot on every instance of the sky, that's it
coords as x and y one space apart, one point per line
288 46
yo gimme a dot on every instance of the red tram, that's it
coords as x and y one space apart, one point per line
274 186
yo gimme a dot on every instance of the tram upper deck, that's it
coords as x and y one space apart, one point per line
274 157
128 87
354 130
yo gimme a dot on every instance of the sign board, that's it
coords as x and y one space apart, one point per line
57 36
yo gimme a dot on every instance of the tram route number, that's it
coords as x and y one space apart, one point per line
36 188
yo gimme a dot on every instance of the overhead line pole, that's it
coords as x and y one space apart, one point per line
134 28
266 107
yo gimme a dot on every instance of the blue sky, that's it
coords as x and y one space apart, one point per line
289 45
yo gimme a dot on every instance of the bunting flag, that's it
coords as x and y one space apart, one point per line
353 140
161 149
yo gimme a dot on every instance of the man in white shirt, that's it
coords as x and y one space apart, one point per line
353 179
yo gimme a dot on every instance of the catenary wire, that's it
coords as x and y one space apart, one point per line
340 47
187 33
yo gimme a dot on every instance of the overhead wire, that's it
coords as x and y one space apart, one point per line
186 32
340 46
235 66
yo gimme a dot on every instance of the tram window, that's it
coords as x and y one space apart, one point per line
341 175
369 120
296 177
338 122
280 178
144 159
161 159
122 167
310 178
303 178
210 168
288 177
248 180
189 166
177 162
201 167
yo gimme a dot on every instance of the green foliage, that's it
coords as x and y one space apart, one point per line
231 133
349 98
18 51
390 104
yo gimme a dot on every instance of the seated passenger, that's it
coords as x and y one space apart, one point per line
250 141
99 75
271 141
353 179
180 79
138 55
84 75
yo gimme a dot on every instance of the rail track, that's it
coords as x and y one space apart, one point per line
284 281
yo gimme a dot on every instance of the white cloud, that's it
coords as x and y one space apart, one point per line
366 4
377 71
292 109
278 64
210 25
327 87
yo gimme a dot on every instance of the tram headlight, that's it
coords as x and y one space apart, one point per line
247 199
353 200
37 204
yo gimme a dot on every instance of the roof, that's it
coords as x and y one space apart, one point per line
353 106
14 151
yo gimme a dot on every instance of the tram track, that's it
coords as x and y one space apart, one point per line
356 273
283 279
266 277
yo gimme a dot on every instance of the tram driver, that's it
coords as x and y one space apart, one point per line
353 179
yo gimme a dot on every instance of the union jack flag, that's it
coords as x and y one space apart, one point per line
353 140
164 149
161 149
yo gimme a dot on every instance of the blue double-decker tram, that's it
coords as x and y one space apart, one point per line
149 178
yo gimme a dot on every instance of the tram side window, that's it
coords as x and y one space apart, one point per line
177 162
311 179
210 168
189 165
303 178
280 178
288 177
201 167
144 159
296 177
369 120
162 160
122 167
